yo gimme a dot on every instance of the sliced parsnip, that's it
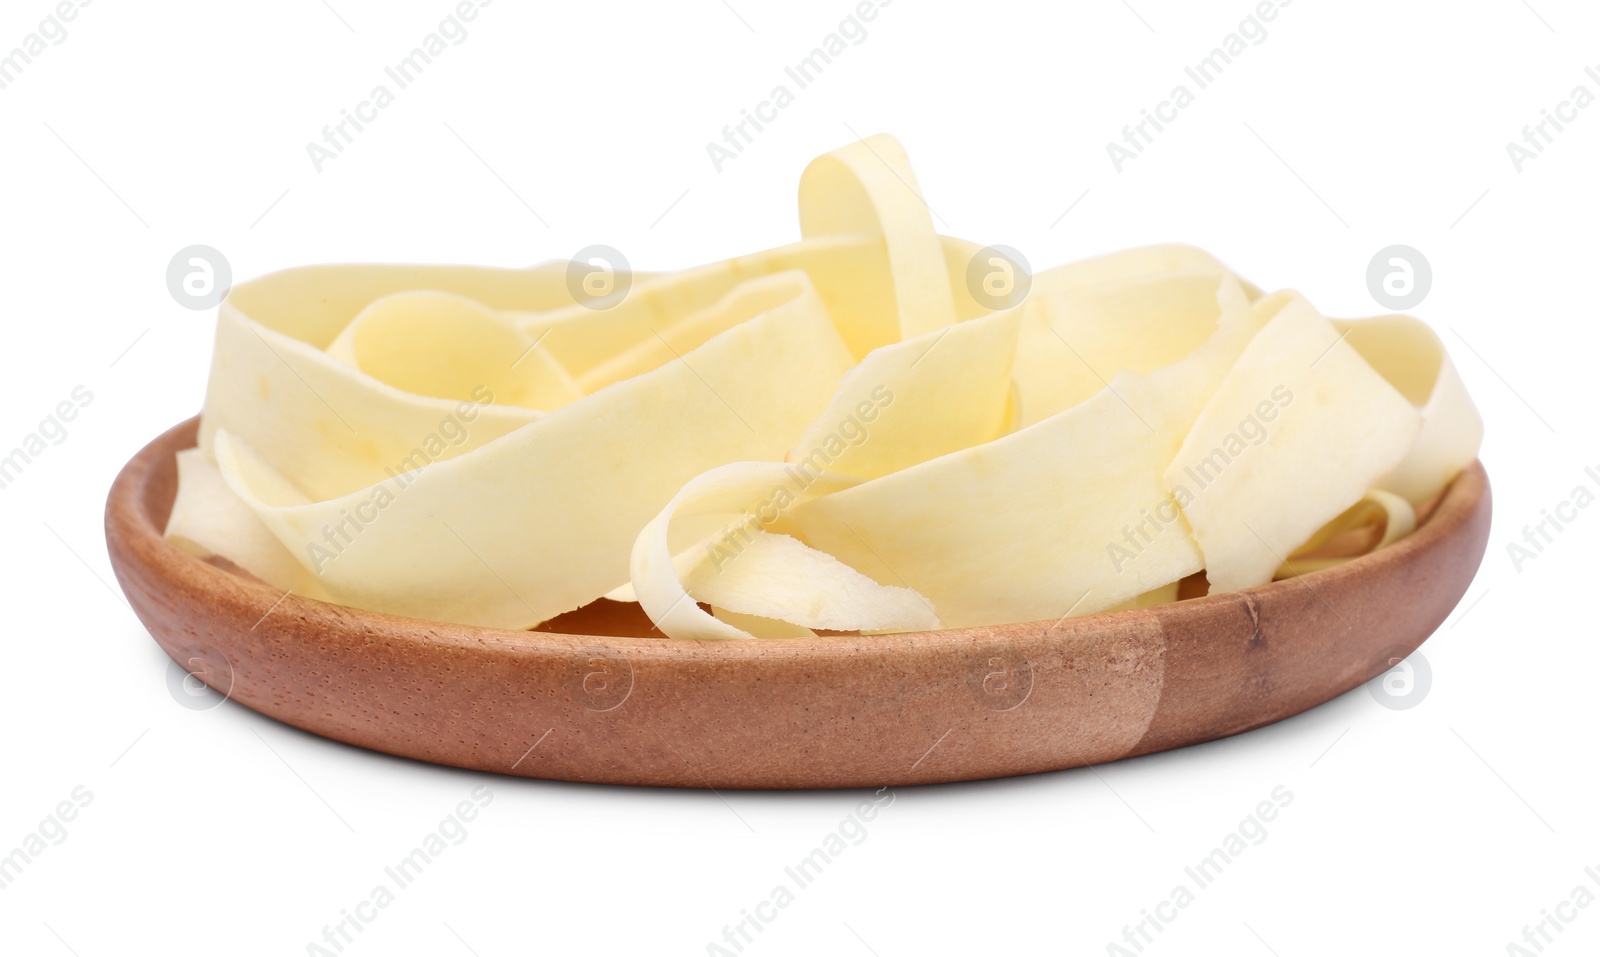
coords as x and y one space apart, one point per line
209 519
870 249
1413 359
284 386
334 428
541 521
758 627
868 188
1075 339
668 338
1297 433
777 576
1068 516
750 571
1165 595
476 445
915 400
903 404
1388 513
1139 264
850 274
448 346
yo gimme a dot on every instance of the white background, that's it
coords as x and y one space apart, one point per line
1355 125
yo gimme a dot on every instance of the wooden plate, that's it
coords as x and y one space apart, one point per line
794 713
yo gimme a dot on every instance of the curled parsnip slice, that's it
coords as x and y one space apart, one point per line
541 521
870 249
209 519
668 333
1165 595
758 627
903 404
1067 516
1298 432
867 188
753 572
448 346
1379 519
334 428
1131 266
1075 338
915 400
850 273
1412 358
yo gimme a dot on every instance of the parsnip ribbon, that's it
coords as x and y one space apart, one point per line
831 435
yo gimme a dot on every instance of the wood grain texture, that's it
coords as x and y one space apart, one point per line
841 711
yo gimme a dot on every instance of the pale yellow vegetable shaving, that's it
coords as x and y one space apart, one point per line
840 434
1069 515
541 521
1298 432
